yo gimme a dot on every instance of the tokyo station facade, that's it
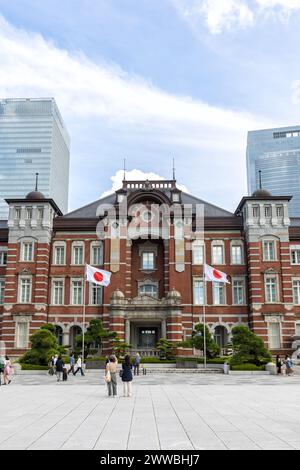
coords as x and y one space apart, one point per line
157 288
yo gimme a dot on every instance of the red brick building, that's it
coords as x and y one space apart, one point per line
153 239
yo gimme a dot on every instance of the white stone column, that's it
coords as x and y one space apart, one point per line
163 328
127 331
66 338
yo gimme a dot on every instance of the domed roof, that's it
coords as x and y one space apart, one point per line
117 294
35 195
173 294
261 193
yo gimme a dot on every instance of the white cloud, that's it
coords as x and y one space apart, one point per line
208 139
31 66
134 175
226 15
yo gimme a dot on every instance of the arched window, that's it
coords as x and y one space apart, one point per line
74 331
59 334
221 336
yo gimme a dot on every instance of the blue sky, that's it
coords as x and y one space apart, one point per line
155 79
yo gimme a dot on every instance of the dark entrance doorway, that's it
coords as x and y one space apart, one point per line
148 337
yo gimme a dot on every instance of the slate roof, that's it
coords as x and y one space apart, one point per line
89 211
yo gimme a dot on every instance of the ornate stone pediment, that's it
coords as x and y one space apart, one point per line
145 299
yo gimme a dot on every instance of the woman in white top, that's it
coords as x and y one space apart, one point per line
7 371
111 376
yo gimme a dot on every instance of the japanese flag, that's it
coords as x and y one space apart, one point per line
97 276
213 274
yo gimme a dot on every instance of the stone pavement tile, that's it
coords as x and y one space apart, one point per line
172 435
115 433
143 419
48 418
199 433
236 440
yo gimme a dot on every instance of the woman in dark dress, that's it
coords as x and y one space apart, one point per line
127 376
278 364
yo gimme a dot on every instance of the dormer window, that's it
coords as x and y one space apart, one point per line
175 197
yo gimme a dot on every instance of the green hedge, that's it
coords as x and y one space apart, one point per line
250 367
156 360
33 367
215 360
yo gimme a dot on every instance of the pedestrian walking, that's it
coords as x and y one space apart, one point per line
2 366
289 365
59 368
111 376
79 366
72 364
51 370
65 374
136 364
127 376
278 365
7 371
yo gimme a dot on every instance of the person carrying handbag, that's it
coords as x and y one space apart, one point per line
111 376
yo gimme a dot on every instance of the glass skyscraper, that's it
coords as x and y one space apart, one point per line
33 139
276 152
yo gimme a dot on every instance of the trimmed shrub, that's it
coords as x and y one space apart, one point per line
249 367
248 348
33 367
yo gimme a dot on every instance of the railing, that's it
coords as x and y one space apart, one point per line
144 352
163 184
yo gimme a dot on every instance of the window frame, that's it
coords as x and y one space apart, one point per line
218 244
62 281
242 280
275 277
17 335
271 347
267 252
219 285
24 244
237 244
196 245
20 290
55 248
73 280
148 252
76 245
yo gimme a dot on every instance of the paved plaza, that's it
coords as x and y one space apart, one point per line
171 412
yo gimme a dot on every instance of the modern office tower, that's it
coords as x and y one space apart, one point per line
276 153
33 139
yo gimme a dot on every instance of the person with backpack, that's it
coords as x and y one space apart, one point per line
127 376
136 364
72 364
289 365
59 368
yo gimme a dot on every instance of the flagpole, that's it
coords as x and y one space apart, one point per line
204 302
83 313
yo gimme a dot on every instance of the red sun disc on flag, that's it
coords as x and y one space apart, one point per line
216 274
98 277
